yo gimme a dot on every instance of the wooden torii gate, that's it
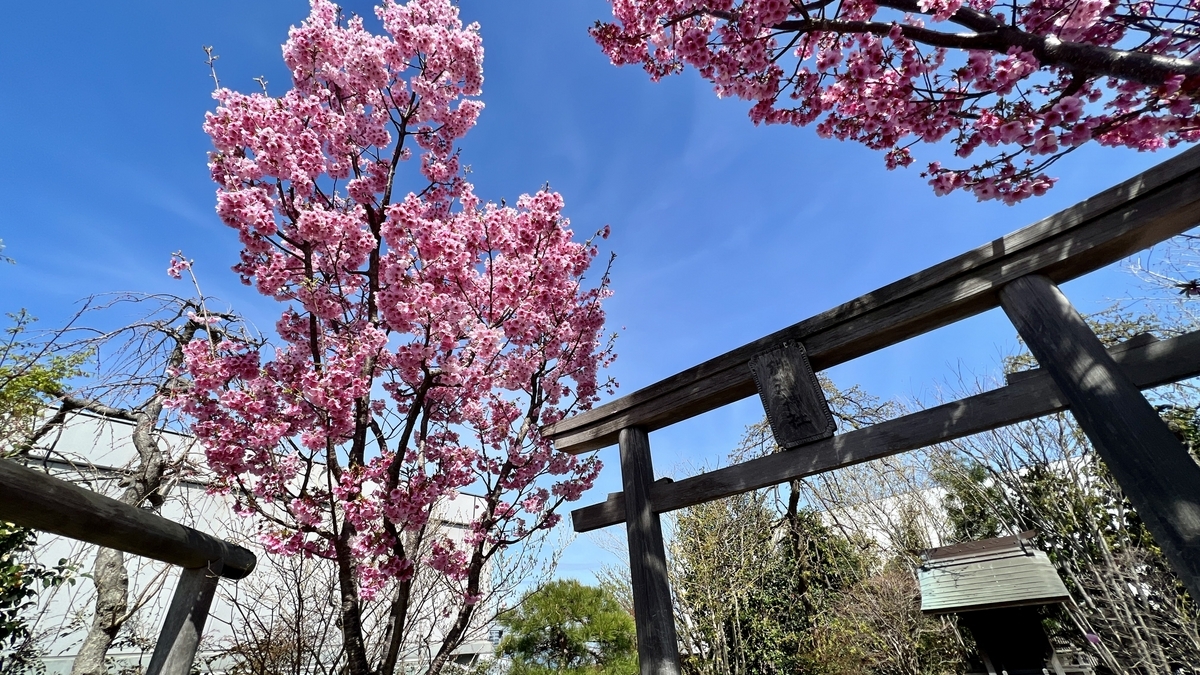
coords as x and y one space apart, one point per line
32 499
1017 272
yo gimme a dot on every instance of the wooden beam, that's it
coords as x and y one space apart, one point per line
32 499
1035 394
653 612
175 651
1116 223
1156 472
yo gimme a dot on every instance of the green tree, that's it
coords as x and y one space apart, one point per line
772 581
1043 475
32 374
726 576
765 593
30 379
566 627
20 581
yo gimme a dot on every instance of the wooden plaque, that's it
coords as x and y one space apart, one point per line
795 405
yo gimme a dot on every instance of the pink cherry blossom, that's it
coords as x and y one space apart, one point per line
178 266
427 335
892 73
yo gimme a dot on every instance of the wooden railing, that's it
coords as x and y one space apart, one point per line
33 499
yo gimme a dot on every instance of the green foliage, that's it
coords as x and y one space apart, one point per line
20 582
766 593
566 627
17 585
1123 588
970 502
31 378
766 585
749 595
1184 422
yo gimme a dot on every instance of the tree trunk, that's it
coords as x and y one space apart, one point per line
351 609
110 576
112 607
454 637
396 626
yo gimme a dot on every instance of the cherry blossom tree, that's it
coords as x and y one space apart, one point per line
427 335
1030 79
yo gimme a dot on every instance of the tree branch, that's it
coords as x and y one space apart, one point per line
992 35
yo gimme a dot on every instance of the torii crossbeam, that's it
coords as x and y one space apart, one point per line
1018 272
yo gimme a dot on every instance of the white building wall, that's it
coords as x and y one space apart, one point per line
91 451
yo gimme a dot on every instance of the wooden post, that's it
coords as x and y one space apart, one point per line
181 631
658 648
1154 469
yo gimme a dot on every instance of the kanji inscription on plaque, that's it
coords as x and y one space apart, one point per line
795 405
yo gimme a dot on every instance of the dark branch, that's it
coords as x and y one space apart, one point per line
992 35
1093 60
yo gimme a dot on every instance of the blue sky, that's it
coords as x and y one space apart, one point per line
724 231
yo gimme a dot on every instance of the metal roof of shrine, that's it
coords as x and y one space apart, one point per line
988 574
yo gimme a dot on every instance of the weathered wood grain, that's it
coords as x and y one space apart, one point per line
1154 469
33 499
1138 213
175 652
1148 365
653 613
1136 342
791 395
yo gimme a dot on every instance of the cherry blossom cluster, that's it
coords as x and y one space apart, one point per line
427 335
179 265
1031 80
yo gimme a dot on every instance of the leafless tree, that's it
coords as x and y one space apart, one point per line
135 369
